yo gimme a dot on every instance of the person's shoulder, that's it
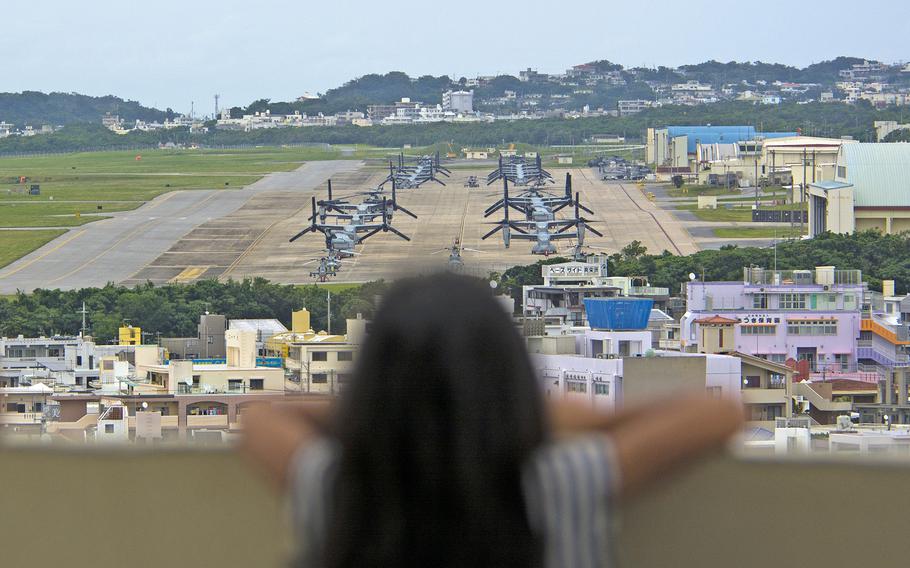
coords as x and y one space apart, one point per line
590 456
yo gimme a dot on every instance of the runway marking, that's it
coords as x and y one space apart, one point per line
44 254
122 239
102 253
190 273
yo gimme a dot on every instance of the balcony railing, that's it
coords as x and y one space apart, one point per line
648 291
694 511
764 277
21 417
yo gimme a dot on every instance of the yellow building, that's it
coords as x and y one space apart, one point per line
130 335
321 363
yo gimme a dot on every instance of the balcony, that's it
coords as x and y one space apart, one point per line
20 418
699 514
765 396
207 421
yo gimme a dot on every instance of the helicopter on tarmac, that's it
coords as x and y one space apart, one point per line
455 260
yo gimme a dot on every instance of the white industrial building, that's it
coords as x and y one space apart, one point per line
458 101
870 190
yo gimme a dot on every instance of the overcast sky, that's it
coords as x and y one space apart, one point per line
170 52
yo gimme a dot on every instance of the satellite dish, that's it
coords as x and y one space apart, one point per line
145 405
692 276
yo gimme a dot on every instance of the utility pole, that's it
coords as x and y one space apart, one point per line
217 96
802 193
83 311
328 300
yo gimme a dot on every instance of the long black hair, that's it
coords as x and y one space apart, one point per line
441 414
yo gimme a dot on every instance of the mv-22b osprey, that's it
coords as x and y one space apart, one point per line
540 223
350 230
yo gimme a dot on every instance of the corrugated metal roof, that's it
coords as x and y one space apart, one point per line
826 185
720 134
880 173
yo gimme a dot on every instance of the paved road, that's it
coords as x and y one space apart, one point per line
114 250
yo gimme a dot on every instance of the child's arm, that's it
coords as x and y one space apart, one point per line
273 434
651 439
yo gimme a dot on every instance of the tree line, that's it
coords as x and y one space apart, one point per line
174 310
815 119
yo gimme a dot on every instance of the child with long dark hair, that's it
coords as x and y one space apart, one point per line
441 451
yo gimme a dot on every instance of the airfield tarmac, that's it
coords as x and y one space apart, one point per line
622 213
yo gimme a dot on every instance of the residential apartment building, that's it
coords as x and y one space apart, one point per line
566 286
813 316
613 362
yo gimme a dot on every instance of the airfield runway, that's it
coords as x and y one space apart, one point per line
116 249
190 235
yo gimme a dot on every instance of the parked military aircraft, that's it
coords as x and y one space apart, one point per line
520 171
413 173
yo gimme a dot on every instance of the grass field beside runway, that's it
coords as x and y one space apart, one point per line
13 242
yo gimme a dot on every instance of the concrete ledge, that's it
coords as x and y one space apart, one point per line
95 507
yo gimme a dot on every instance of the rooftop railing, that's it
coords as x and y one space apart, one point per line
765 277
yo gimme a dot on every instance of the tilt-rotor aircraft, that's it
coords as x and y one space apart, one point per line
519 171
412 173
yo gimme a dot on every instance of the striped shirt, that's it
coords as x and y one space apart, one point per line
567 486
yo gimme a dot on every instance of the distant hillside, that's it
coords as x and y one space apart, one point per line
360 92
35 108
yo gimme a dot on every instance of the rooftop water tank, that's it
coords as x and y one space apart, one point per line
618 313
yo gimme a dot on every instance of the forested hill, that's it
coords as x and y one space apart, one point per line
35 109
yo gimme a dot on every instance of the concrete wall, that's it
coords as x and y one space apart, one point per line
183 508
644 378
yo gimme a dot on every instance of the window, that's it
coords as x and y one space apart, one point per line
793 301
758 329
320 356
12 407
235 384
777 381
108 428
602 388
777 358
842 172
760 301
257 384
720 337
849 302
53 352
812 327
345 355
752 382
39 407
320 378
78 360
842 360
576 387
